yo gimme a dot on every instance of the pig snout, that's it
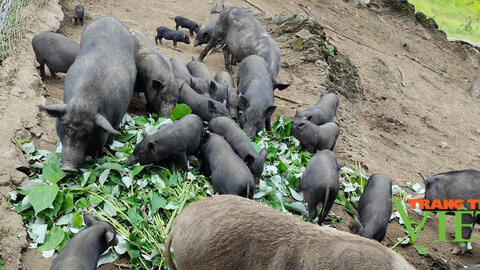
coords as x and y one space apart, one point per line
131 160
71 159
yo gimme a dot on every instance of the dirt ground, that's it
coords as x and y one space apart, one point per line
415 115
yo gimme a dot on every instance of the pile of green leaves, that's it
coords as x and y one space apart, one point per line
142 201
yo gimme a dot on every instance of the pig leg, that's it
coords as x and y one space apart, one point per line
76 19
191 32
176 27
226 58
182 157
205 51
42 72
81 21
466 233
174 43
312 202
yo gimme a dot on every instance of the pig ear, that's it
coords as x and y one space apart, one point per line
151 145
89 219
270 110
242 102
280 86
249 160
211 106
309 117
111 238
212 89
296 112
301 125
158 85
102 122
55 110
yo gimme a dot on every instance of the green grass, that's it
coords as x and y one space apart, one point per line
458 18
12 28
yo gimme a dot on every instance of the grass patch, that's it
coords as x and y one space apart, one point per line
12 26
458 18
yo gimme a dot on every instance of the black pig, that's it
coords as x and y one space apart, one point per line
54 50
374 208
154 76
320 183
256 95
229 173
79 14
238 140
201 105
225 78
85 248
186 23
217 91
168 34
96 93
463 185
322 112
313 137
172 140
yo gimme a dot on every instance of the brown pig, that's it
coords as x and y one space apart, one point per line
231 232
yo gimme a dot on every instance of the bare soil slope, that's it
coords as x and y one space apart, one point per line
415 115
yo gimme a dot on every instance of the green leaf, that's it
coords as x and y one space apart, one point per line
158 202
172 181
77 220
94 200
64 242
134 216
2 264
42 197
180 111
53 239
81 203
140 120
132 251
67 206
52 168
422 250
112 166
137 169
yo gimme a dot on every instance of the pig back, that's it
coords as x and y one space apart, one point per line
104 72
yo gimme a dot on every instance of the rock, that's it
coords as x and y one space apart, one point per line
303 33
477 130
322 64
443 145
282 17
16 91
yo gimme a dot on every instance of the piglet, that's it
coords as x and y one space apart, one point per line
201 105
216 90
463 185
173 140
79 14
240 143
313 137
374 208
225 78
186 23
322 112
229 173
168 34
320 183
85 248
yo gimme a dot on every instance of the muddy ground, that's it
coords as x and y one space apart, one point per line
414 114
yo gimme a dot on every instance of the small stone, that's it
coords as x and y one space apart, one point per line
477 130
16 92
322 64
443 145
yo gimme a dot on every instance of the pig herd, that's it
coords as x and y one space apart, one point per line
223 232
